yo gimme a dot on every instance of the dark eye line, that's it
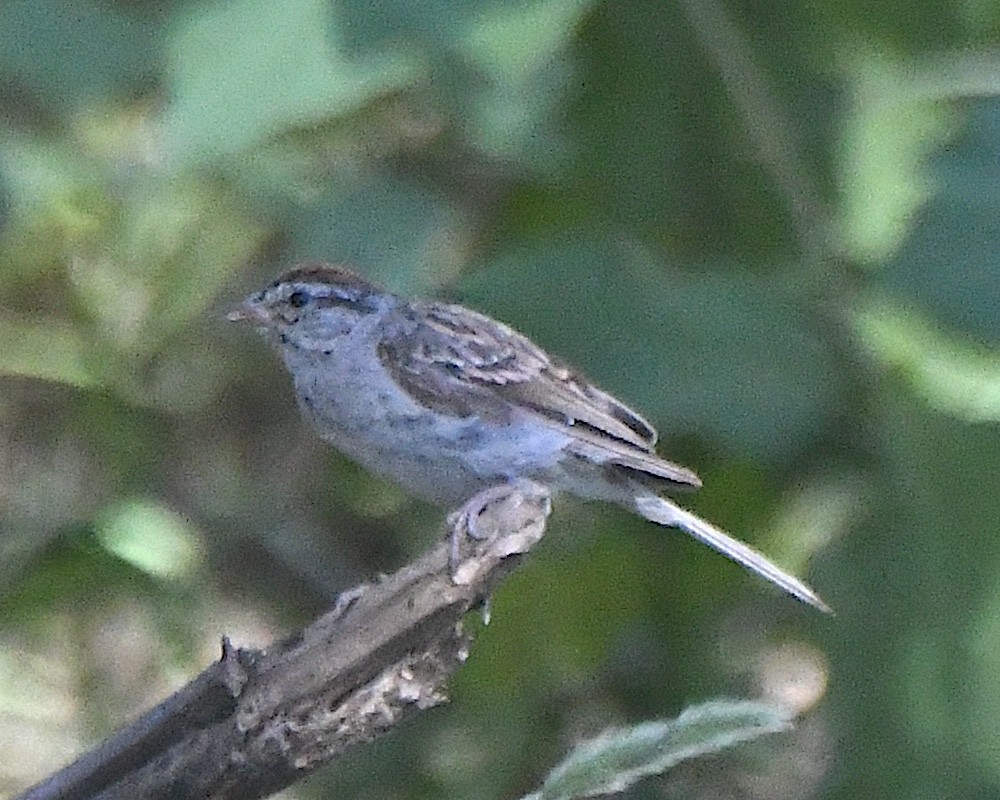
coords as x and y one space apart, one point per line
299 298
360 303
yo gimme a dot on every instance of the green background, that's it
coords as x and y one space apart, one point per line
773 227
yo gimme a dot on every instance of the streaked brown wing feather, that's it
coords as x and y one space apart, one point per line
460 362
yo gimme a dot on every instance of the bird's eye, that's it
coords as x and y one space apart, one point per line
298 299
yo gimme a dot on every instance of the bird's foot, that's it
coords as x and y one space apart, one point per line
505 510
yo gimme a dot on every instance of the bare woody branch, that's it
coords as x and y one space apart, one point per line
257 721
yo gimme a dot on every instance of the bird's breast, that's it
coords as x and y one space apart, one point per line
356 406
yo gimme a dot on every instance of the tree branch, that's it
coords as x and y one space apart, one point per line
256 721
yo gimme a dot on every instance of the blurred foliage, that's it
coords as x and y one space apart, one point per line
620 757
773 227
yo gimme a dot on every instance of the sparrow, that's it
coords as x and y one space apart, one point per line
448 403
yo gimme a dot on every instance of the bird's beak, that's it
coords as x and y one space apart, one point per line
249 311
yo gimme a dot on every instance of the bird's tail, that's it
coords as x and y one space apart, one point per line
661 511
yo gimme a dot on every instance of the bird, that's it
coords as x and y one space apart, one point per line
448 402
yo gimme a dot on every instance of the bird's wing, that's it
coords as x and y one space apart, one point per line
459 362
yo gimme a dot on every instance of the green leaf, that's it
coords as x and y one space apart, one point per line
521 50
948 264
887 137
245 70
68 54
951 373
617 759
47 349
150 537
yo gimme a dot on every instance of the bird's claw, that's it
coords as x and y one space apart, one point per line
482 517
